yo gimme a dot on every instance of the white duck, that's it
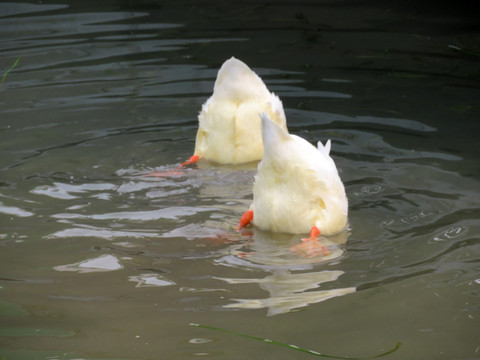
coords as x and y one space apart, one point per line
297 189
229 126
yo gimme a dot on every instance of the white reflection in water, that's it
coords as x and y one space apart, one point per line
452 232
199 341
13 210
172 213
99 264
125 244
271 251
134 186
102 233
288 291
149 280
369 190
64 191
193 231
199 290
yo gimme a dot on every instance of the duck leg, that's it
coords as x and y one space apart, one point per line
193 159
314 234
245 219
311 247
225 238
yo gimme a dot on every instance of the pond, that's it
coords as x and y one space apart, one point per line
98 261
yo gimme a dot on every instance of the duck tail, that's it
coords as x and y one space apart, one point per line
272 134
324 148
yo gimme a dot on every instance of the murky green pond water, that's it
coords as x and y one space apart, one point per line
100 262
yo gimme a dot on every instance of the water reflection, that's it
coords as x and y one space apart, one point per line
99 264
88 231
171 213
267 250
287 287
149 280
13 210
452 232
289 291
70 191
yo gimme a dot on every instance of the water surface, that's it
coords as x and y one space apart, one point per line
98 261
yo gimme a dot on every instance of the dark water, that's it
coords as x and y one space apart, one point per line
99 262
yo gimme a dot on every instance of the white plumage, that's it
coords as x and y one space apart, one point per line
297 186
229 126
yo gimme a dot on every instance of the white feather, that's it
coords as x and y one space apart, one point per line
229 127
325 148
297 185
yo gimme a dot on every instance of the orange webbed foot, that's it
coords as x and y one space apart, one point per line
193 159
311 247
245 219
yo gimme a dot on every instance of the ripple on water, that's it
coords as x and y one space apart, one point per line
99 264
102 233
65 191
150 280
172 213
15 211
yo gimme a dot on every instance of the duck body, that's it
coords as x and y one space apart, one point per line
297 187
229 126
